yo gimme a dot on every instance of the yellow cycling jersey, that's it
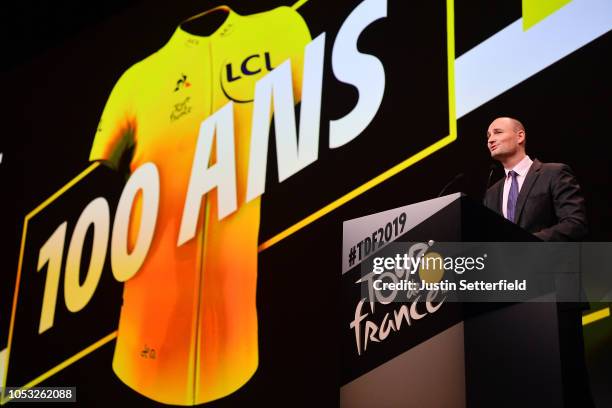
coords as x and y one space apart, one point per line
188 325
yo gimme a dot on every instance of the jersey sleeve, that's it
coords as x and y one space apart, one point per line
117 126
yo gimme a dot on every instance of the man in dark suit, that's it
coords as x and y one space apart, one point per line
545 200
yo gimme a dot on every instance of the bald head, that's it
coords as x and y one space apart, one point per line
507 122
506 139
518 126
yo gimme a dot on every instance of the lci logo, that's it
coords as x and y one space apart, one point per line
252 67
244 67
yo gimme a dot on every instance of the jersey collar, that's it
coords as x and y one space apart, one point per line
191 40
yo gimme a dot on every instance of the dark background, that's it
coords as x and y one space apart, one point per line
61 60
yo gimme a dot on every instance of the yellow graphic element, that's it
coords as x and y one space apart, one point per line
27 218
298 4
595 316
195 304
306 221
535 11
432 267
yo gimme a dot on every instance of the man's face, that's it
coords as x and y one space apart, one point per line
503 138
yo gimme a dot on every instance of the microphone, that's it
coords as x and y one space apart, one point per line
450 183
492 168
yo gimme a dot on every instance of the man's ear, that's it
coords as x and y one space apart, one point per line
521 137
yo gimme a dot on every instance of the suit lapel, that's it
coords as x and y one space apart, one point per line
532 175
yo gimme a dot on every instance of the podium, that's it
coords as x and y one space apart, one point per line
461 355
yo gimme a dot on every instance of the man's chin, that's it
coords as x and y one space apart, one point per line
496 155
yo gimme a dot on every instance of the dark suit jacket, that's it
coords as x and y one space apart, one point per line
550 204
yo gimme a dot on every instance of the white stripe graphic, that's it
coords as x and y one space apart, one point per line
512 55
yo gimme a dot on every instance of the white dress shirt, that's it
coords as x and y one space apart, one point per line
521 169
